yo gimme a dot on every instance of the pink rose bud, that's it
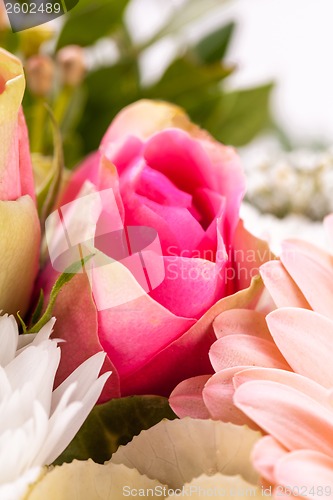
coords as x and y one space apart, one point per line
158 207
72 65
40 74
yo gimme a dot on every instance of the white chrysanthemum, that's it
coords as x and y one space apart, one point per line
37 423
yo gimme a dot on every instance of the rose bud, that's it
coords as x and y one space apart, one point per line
158 207
40 75
72 65
20 229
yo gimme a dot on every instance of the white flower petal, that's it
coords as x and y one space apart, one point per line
38 365
87 372
5 387
75 422
8 339
60 433
17 489
31 434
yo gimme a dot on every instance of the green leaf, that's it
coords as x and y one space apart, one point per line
9 41
22 323
64 278
113 424
214 46
184 81
90 21
189 12
240 115
48 191
108 91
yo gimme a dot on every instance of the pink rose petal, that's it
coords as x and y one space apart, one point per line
26 172
77 325
248 253
142 323
158 188
190 287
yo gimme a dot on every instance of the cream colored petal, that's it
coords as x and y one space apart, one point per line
144 118
220 486
87 480
174 452
19 251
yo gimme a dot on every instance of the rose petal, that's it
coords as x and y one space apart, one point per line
124 322
158 188
77 322
144 118
11 94
88 171
19 252
248 254
191 164
175 363
185 229
25 165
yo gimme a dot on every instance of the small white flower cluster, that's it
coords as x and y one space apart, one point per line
282 183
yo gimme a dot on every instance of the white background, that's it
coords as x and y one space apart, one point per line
289 41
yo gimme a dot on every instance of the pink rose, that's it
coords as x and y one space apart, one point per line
20 230
169 175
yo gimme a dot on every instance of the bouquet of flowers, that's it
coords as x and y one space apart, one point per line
150 346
